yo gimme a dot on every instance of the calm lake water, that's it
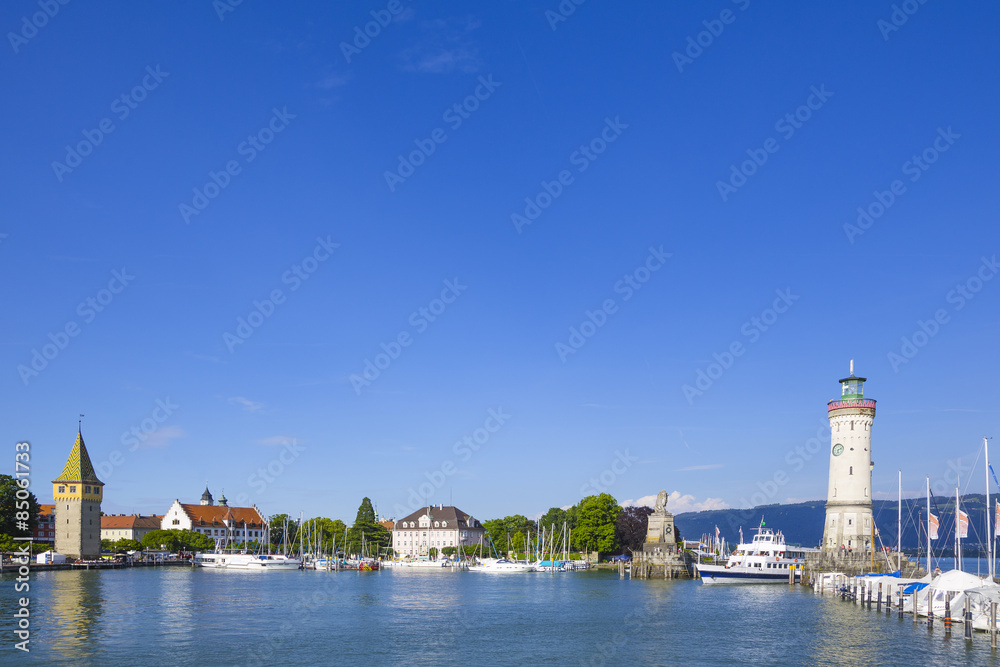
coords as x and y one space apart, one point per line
183 616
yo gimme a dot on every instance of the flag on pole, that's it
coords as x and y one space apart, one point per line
963 524
996 518
932 526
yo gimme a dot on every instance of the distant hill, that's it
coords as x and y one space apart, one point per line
802 523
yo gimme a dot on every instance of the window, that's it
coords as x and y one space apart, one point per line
850 471
62 489
86 489
72 488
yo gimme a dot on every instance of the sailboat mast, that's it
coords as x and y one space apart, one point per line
928 525
899 527
989 527
958 532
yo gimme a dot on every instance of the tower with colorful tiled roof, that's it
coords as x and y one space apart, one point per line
848 527
78 493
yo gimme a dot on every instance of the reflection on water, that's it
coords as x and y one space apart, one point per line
76 604
210 617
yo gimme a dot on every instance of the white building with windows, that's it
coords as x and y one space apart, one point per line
224 524
437 526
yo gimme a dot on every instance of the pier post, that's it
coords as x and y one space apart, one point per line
967 617
930 612
791 576
993 625
869 596
879 607
947 613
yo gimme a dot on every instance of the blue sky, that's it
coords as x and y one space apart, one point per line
602 174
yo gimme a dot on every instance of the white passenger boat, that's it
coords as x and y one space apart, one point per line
500 565
244 561
764 560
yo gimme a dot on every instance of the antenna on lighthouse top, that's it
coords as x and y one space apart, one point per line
852 366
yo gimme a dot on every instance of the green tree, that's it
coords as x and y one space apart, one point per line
595 525
512 531
189 540
161 539
366 513
14 509
557 516
367 534
323 533
276 526
123 544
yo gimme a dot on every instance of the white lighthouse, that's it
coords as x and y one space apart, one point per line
849 499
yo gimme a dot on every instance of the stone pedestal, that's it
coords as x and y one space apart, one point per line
660 531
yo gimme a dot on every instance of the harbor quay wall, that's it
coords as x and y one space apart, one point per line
11 567
861 562
654 562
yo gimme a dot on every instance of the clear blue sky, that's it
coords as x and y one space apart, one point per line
631 142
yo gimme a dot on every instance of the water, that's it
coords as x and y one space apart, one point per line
183 616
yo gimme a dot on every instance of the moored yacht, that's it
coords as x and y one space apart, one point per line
764 560
245 561
500 565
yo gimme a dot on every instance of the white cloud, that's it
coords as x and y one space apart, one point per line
161 437
678 502
251 406
332 81
445 46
